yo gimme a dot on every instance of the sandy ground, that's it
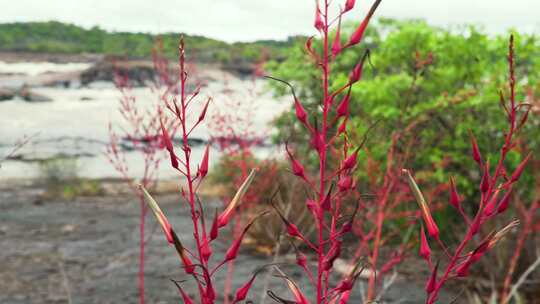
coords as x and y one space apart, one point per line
85 251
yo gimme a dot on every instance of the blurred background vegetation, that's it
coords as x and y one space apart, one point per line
445 82
57 37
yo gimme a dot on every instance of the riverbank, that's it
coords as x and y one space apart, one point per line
85 250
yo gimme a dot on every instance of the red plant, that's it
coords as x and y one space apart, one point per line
142 133
495 188
197 262
335 180
233 131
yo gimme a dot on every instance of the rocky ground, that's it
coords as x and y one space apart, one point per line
85 251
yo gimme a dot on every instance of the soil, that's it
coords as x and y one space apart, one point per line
85 251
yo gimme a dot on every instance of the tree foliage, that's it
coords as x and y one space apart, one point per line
444 82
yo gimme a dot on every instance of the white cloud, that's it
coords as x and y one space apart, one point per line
234 20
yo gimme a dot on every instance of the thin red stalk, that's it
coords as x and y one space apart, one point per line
322 155
520 244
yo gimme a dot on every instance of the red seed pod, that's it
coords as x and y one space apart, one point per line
326 203
432 228
475 227
296 166
185 296
350 161
203 113
242 292
475 150
319 24
317 142
292 230
484 183
358 34
345 183
232 252
342 127
519 169
489 210
345 285
210 291
301 113
215 228
166 139
356 73
336 45
349 5
301 259
345 297
503 204
343 107
333 254
203 168
425 251
463 269
454 196
432 282
206 249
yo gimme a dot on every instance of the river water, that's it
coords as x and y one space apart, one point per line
74 125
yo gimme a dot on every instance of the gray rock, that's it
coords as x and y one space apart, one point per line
6 94
30 96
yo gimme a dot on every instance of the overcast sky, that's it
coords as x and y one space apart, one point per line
245 20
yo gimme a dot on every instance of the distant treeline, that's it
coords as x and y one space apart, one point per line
57 37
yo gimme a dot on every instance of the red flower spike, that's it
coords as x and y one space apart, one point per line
336 45
425 251
454 196
343 107
503 204
358 34
296 166
475 150
349 5
203 168
432 282
519 169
